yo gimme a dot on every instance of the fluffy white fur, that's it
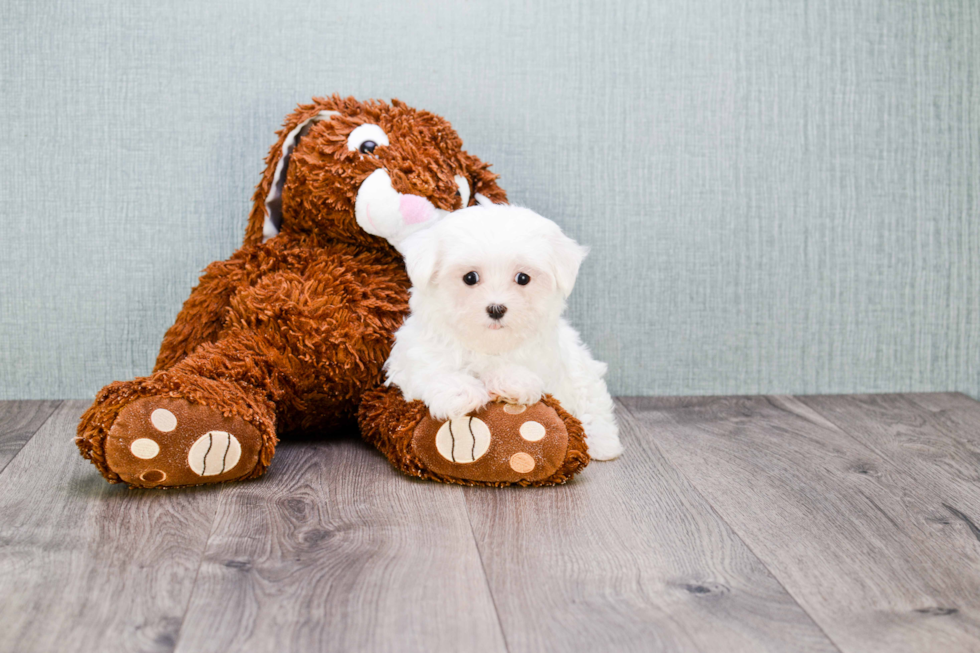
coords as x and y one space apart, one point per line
455 357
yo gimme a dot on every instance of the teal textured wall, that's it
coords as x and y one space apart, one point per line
780 196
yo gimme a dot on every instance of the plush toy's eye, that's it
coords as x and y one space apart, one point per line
471 278
365 138
522 279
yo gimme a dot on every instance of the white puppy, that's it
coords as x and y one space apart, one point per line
489 287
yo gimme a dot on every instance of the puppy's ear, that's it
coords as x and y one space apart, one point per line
566 258
421 253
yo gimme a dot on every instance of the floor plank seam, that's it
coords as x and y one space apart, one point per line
735 532
486 578
36 431
197 572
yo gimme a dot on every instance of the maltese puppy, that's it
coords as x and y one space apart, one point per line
489 285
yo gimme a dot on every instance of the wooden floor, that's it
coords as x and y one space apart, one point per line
730 524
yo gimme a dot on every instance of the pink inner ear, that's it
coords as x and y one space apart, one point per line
415 209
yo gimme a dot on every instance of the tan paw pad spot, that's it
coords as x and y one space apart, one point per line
214 453
514 409
532 431
463 440
521 462
153 476
144 448
163 420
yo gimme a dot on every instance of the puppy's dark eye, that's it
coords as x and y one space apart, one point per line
471 278
522 279
367 147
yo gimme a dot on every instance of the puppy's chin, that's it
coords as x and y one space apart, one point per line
490 337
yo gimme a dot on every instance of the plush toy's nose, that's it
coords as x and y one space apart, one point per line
415 209
496 311
382 211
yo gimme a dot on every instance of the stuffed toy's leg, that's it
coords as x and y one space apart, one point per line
501 444
209 418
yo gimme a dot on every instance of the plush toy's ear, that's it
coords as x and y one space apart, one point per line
273 199
566 258
266 217
421 253
485 190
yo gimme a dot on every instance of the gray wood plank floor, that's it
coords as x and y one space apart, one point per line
19 420
847 523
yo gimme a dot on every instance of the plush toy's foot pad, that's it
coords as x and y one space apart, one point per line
500 443
166 442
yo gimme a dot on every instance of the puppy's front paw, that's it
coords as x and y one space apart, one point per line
514 384
456 396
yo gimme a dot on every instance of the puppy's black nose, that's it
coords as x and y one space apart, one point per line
496 311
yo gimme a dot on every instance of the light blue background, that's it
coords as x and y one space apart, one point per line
781 196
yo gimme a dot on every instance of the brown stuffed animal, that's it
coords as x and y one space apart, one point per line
292 331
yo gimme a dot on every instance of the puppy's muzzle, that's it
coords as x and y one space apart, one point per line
496 311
